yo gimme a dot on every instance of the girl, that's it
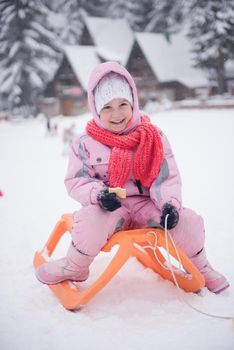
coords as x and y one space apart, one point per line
121 148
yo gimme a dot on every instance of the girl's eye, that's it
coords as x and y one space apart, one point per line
106 107
123 104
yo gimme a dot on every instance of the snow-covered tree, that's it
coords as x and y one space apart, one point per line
165 16
135 12
29 52
67 16
66 19
96 8
212 34
150 15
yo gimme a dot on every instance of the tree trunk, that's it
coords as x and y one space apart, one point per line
220 76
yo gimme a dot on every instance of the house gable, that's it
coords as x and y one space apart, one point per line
64 76
142 73
171 61
86 38
65 73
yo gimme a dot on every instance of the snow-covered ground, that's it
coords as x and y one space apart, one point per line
137 310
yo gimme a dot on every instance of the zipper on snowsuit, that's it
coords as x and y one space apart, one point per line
138 183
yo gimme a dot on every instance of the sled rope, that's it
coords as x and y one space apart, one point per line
154 247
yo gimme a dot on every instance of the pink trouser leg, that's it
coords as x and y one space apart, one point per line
92 226
91 229
189 233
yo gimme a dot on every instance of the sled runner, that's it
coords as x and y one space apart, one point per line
145 244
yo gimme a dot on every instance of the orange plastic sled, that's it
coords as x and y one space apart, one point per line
130 243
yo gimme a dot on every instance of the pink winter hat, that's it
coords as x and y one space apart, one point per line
112 85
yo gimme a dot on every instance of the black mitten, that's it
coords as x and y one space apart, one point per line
108 201
172 219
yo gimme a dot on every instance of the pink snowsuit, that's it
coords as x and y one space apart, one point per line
87 175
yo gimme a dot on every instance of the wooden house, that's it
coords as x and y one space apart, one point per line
142 73
102 40
163 69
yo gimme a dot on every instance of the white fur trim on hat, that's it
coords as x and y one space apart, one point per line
111 86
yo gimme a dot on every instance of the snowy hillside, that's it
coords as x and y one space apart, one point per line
137 310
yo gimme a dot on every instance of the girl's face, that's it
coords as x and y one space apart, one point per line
116 114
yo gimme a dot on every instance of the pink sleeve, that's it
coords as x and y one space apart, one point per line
166 188
80 182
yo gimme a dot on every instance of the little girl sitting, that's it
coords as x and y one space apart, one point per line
121 148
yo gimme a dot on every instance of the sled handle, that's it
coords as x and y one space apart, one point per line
121 192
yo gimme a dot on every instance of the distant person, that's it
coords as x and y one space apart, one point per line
48 124
121 148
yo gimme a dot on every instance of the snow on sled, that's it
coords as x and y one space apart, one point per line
148 245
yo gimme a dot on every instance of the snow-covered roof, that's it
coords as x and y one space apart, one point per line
171 61
108 55
112 37
83 60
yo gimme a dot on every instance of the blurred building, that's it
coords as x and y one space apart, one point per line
162 67
102 40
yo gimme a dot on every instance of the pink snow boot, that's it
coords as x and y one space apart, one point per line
74 267
214 281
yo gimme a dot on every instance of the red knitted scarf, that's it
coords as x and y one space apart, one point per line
143 144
